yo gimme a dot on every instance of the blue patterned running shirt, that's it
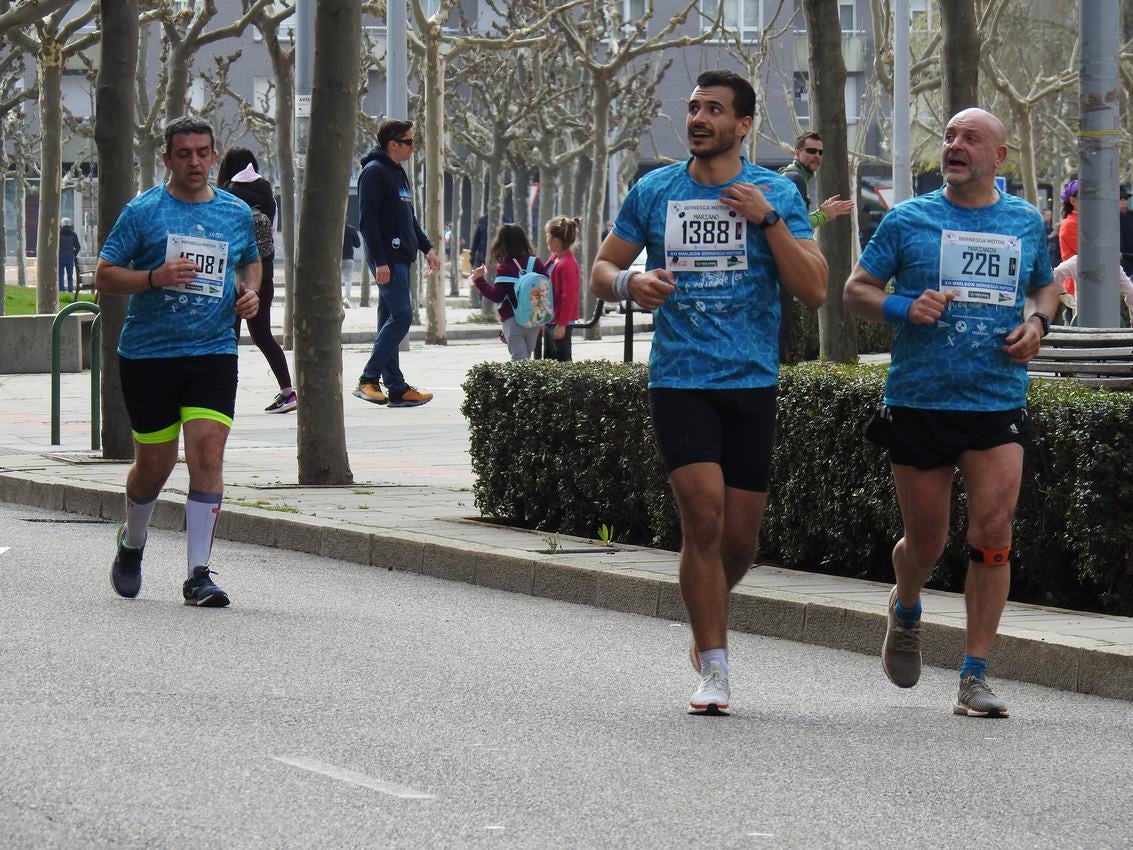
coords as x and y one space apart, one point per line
991 257
196 318
720 328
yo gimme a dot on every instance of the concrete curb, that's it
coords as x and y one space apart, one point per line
1063 662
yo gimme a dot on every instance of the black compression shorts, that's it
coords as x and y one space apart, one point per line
163 392
929 439
734 429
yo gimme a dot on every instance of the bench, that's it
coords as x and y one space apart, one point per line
1099 357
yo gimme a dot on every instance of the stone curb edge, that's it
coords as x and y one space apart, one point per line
1071 664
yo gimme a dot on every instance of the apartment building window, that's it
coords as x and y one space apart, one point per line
802 95
633 10
920 12
847 17
740 16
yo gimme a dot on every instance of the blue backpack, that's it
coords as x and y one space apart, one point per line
534 302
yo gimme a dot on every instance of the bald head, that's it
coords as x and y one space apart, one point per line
975 146
984 119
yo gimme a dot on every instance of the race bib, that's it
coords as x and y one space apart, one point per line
704 236
981 268
211 258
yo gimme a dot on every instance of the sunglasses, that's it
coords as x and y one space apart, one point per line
813 151
407 142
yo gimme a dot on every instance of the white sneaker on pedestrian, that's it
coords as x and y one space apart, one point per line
713 696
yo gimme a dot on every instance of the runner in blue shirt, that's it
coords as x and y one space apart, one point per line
971 300
186 255
722 237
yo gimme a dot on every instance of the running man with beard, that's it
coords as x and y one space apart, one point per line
722 236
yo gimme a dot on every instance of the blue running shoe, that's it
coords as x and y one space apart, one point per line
202 591
126 573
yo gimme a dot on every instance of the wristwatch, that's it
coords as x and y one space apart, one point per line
769 220
1043 319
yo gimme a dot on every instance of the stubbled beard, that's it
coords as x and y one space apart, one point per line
723 144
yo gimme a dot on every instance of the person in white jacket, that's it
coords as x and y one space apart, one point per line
1068 268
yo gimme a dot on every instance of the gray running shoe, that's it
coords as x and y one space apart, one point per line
126 571
976 699
901 652
713 695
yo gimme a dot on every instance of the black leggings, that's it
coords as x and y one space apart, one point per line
260 328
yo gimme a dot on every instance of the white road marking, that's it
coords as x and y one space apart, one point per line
761 834
4 549
495 827
354 778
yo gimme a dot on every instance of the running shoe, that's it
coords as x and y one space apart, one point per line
409 397
901 652
713 696
201 590
371 392
283 404
126 573
975 699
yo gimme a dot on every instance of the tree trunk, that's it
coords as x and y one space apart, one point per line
177 86
114 136
21 226
521 194
148 144
960 55
1026 131
284 69
837 332
50 177
434 285
454 236
548 187
593 220
3 218
321 435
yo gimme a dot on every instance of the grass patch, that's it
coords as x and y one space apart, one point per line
265 506
480 319
20 300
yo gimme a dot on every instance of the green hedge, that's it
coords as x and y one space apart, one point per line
568 447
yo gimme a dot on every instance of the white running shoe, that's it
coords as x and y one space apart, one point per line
713 695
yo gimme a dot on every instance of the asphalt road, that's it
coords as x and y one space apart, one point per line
335 705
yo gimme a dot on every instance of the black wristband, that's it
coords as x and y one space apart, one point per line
149 279
1043 319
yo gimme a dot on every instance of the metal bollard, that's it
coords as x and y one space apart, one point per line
95 370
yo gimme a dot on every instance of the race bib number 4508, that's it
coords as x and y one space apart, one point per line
703 236
980 267
210 257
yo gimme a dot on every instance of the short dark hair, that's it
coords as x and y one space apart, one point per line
185 125
800 142
233 162
392 128
743 95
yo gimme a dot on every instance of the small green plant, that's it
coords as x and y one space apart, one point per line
264 506
552 542
606 534
363 492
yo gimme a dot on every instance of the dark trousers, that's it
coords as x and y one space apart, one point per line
395 314
260 328
67 266
556 349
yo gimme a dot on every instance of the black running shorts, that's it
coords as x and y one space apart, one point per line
734 429
929 439
163 392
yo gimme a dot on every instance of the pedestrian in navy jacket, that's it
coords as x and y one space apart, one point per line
392 237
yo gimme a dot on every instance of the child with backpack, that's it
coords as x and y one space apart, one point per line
521 289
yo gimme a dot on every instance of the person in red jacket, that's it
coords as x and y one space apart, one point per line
565 276
511 250
1068 230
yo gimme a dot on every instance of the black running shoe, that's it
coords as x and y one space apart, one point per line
201 590
126 573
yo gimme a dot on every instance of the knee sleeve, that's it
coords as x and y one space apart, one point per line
990 557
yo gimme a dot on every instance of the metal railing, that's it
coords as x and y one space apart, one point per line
95 370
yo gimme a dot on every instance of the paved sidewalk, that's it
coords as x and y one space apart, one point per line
411 508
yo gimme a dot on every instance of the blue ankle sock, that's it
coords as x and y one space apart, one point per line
973 667
907 617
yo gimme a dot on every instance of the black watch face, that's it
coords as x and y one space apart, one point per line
769 220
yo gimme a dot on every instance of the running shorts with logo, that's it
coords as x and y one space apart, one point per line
930 439
163 392
990 258
734 429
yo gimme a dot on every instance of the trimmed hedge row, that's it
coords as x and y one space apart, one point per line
568 447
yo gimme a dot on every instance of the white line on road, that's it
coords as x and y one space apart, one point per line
4 549
354 778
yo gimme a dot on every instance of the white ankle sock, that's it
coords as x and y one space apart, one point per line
707 656
201 513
